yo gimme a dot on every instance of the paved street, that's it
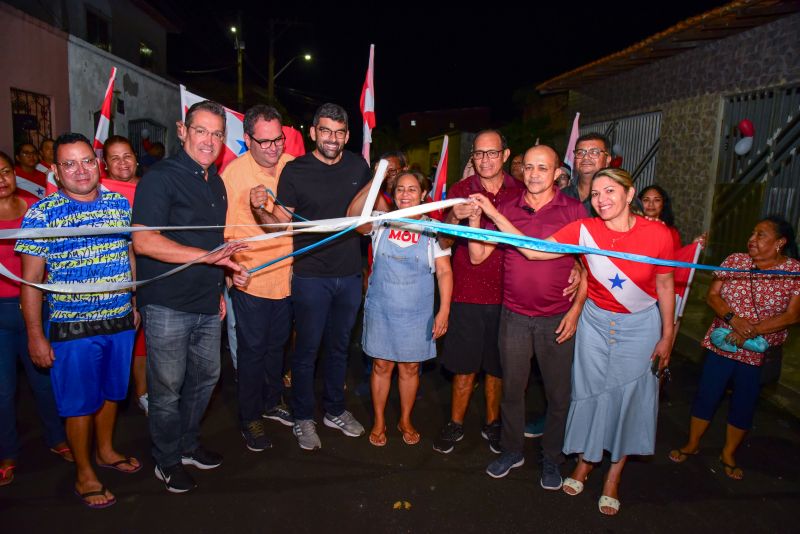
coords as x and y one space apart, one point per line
350 486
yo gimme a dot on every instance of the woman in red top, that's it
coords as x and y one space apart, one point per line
625 326
14 342
749 305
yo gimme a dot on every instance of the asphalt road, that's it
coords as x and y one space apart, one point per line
350 486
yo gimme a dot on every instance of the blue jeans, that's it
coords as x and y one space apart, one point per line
13 345
263 327
325 311
183 364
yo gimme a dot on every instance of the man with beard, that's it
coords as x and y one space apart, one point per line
326 283
591 155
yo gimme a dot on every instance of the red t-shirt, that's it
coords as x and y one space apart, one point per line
483 283
8 257
616 285
126 189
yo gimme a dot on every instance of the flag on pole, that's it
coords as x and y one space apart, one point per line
573 139
104 123
368 105
683 277
234 132
440 180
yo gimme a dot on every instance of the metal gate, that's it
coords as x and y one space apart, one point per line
764 181
156 133
638 137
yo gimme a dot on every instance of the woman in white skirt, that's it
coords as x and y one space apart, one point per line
624 335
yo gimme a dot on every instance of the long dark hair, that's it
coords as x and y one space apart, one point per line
785 231
667 216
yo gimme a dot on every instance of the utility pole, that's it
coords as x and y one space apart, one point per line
238 43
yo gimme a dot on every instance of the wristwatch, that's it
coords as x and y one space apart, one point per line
728 316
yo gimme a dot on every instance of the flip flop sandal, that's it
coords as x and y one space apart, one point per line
575 485
101 492
608 502
126 460
7 475
681 455
409 438
378 440
730 470
65 453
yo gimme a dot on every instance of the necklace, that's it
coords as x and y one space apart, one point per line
623 236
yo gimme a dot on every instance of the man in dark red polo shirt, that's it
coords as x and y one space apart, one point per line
471 342
537 317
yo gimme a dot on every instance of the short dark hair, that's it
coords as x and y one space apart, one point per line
18 148
503 142
115 140
785 231
335 112
396 154
593 136
424 183
41 144
8 159
205 105
667 215
260 111
69 138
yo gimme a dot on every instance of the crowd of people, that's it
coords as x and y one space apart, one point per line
601 328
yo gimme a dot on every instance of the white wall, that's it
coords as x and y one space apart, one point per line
146 95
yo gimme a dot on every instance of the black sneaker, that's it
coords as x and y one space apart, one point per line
281 414
491 433
254 436
450 434
175 478
202 458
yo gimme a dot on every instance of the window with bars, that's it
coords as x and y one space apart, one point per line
31 117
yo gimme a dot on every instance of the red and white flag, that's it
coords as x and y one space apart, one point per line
439 191
104 123
234 132
368 105
573 139
683 277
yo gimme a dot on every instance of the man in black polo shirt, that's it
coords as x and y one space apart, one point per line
182 312
326 283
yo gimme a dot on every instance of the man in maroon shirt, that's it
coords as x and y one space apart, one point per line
471 342
537 316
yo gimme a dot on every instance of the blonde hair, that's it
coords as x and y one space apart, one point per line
623 178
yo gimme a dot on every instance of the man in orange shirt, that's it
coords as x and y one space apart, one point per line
263 308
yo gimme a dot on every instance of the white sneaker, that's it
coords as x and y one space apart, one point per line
143 403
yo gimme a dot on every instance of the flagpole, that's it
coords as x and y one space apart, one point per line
368 105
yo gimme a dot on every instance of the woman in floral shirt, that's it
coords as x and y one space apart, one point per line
750 305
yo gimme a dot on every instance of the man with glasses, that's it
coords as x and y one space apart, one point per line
471 342
263 309
89 341
326 283
591 155
182 312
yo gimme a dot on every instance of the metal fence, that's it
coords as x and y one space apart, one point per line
156 133
638 138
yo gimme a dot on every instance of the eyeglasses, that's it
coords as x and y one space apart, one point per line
71 167
202 132
327 133
269 143
28 153
491 154
593 153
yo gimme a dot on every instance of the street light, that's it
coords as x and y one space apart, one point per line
239 46
306 57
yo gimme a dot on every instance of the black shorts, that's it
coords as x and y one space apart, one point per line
471 341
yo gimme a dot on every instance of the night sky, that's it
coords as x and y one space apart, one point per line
427 55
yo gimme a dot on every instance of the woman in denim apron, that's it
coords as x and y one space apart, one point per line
400 328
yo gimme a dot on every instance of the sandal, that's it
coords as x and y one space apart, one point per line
679 455
7 475
96 493
65 452
575 485
379 439
128 460
409 437
608 502
733 472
